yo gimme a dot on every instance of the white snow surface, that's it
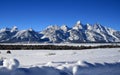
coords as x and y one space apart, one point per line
61 62
11 64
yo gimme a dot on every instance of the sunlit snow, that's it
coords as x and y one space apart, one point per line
61 62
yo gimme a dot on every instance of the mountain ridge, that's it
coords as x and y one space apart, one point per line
79 33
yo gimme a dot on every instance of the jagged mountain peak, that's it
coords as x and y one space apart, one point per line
78 25
54 33
97 26
88 26
64 28
14 29
30 29
53 27
5 29
78 22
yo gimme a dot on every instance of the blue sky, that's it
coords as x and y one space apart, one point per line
38 14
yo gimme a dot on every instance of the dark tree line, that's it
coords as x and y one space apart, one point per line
53 47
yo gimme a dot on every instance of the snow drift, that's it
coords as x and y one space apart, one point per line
11 64
11 67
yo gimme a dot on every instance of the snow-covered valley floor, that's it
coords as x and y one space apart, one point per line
61 62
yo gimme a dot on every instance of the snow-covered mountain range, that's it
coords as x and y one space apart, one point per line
79 33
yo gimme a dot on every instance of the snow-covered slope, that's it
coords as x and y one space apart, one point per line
55 34
61 62
81 33
6 34
14 35
26 35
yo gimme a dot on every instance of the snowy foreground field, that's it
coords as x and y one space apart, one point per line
61 62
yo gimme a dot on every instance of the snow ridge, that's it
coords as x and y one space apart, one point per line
54 34
10 67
